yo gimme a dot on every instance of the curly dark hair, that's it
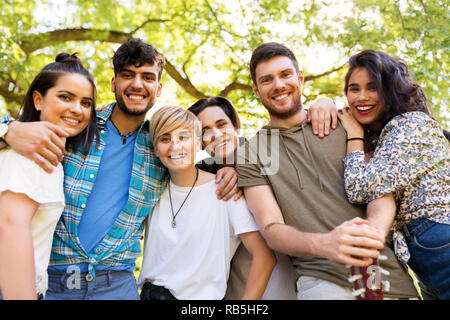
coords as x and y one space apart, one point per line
135 52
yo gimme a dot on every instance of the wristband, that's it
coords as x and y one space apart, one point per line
350 139
2 140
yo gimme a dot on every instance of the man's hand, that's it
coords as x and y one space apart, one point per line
353 242
227 179
322 114
41 141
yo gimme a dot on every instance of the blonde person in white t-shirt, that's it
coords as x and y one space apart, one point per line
32 200
191 236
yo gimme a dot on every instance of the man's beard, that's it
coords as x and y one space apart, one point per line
122 106
285 114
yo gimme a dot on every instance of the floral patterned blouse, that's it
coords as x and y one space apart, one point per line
411 161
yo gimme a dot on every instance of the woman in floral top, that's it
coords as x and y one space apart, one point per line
404 172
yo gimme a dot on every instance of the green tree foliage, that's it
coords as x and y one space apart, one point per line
208 43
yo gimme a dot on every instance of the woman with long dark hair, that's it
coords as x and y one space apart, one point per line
406 179
32 200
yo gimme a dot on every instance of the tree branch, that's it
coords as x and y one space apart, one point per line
35 42
147 22
234 86
219 23
185 83
38 41
314 96
10 97
313 77
191 54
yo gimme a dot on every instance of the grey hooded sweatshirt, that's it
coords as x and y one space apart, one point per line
306 177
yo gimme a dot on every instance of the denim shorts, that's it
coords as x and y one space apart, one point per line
429 245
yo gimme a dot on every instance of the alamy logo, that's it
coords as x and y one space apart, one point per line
74 280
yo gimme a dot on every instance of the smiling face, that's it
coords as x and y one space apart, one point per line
136 88
364 100
68 104
278 86
220 137
177 148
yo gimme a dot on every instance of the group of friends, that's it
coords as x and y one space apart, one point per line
281 215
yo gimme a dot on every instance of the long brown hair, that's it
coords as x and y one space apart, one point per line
396 88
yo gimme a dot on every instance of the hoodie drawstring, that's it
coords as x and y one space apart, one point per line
308 149
311 157
300 184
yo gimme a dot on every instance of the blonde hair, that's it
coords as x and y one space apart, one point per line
171 117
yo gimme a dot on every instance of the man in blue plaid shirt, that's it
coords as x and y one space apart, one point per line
110 191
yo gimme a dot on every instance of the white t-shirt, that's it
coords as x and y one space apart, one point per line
21 175
193 259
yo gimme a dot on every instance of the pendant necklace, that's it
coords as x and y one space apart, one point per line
124 136
174 215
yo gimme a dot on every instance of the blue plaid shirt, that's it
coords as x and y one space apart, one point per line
120 247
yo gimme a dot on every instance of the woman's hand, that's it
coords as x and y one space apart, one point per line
354 128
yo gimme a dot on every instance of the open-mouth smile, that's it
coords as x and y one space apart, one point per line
364 109
177 156
280 97
71 121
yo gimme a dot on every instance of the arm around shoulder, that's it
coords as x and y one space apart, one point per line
40 141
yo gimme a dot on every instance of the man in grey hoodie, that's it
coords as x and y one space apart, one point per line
293 183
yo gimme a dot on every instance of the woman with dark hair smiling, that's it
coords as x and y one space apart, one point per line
32 200
406 181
